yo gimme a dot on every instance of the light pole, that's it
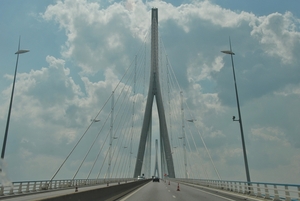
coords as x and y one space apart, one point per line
239 112
11 99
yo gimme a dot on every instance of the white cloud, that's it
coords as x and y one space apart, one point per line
270 134
198 73
289 90
95 36
278 33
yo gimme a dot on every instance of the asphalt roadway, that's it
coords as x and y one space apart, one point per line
165 191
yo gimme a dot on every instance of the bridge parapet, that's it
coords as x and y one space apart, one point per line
26 187
274 191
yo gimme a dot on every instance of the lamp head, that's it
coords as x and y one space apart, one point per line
228 52
21 51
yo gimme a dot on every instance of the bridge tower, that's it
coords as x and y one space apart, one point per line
154 90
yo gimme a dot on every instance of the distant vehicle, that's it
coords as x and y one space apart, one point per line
140 178
155 179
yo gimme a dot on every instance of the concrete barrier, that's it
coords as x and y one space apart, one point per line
106 193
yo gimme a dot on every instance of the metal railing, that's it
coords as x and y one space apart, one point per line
274 191
26 187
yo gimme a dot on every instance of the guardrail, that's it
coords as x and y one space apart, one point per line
24 187
276 192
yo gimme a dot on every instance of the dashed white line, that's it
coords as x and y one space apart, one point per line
217 195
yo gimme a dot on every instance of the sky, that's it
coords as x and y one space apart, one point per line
77 47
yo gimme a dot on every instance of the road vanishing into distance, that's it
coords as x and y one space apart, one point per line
162 191
151 191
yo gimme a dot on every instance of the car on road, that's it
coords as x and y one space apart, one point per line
155 179
140 178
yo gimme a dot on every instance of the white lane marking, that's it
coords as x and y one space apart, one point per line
174 196
216 195
169 191
134 192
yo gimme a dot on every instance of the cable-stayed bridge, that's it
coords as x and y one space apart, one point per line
145 105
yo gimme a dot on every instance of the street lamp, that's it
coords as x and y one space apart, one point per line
95 120
239 112
11 99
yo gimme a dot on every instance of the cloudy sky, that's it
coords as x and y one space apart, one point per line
78 49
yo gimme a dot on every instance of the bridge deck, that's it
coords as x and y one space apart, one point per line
169 191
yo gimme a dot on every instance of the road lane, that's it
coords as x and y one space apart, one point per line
163 191
151 191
